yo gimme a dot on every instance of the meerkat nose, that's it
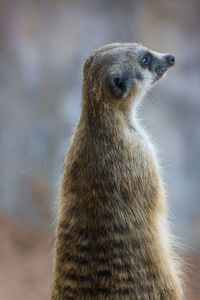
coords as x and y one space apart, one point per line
171 60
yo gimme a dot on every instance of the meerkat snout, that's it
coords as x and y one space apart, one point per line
171 60
157 63
167 62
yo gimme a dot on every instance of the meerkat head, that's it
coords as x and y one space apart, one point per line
119 73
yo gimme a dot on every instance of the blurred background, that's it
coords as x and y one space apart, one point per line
42 48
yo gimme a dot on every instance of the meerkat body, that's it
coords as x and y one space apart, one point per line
112 240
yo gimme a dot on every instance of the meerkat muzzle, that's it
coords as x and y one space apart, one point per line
171 60
162 65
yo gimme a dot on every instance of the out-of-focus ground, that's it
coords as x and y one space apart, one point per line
26 263
42 48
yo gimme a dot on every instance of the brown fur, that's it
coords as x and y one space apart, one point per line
111 238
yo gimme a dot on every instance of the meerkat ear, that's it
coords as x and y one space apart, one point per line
119 85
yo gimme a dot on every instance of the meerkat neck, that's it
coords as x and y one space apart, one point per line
110 119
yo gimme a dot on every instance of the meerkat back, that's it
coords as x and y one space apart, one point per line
112 240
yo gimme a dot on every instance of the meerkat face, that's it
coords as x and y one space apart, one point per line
155 64
123 71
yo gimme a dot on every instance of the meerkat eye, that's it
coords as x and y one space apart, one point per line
146 60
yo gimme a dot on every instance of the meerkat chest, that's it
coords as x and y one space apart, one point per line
140 147
145 175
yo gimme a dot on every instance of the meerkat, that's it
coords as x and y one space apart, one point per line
112 239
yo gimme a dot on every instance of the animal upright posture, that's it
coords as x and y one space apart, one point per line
112 240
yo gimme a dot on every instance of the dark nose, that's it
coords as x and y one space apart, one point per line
171 60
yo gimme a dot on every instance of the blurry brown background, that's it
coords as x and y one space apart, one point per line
42 48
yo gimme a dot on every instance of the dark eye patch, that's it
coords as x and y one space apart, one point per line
146 60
